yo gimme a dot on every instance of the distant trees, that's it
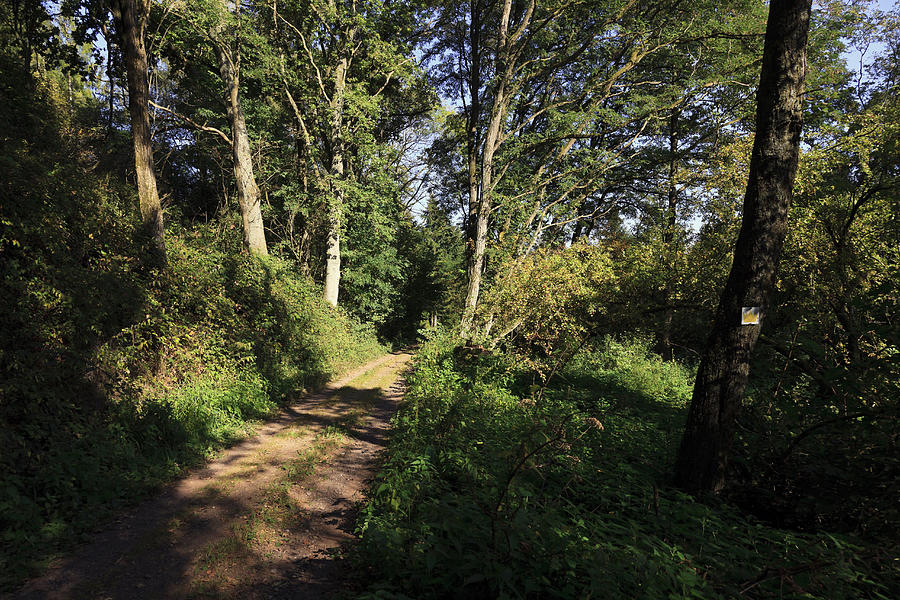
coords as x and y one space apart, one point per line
347 82
314 97
558 106
566 121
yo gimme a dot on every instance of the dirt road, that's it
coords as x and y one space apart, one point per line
261 521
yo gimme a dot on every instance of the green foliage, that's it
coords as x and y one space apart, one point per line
373 268
115 378
496 489
551 296
434 285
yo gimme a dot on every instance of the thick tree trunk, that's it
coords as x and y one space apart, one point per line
248 191
131 19
724 367
336 202
333 257
478 243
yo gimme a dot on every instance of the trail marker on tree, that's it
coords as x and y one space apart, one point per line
750 315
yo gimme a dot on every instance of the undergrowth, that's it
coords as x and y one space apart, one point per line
495 488
93 419
116 377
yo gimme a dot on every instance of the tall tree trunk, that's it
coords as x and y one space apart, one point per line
473 115
724 367
492 141
474 264
669 235
248 191
336 201
131 20
482 215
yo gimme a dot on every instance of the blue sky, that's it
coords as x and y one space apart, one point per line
853 57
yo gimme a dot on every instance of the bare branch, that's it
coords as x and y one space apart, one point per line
192 123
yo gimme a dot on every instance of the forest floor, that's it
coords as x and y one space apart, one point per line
266 519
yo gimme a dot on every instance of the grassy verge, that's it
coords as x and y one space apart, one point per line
131 377
495 489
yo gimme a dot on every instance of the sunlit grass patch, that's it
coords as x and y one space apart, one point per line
293 432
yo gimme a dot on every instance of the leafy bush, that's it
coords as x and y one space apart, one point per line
549 297
496 489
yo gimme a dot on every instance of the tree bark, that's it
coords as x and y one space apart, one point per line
500 105
336 202
131 21
248 191
473 115
724 366
474 260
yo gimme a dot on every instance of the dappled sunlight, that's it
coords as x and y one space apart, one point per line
270 511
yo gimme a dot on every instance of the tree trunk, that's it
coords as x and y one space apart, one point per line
492 141
473 265
248 191
669 236
724 367
131 19
336 202
478 242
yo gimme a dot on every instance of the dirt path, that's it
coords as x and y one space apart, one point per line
262 521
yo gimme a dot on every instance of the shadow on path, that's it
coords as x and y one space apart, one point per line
240 527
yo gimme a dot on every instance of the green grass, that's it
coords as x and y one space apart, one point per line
493 490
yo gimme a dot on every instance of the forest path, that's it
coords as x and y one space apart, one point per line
262 521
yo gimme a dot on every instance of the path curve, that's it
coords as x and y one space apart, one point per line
261 521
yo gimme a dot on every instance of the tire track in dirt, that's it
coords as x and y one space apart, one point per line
261 521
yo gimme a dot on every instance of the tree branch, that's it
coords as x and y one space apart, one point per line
192 123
